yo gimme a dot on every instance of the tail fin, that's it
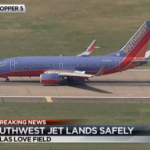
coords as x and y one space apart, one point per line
138 44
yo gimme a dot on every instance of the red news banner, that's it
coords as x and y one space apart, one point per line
36 121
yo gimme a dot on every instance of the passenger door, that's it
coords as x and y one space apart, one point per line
117 65
12 64
60 65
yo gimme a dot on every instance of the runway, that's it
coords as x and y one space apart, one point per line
128 84
75 99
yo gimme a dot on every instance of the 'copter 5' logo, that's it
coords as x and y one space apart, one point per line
12 8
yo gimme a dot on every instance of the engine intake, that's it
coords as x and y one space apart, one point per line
51 78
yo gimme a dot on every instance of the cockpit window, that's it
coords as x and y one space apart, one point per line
1 64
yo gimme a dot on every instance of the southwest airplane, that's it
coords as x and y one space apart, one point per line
52 69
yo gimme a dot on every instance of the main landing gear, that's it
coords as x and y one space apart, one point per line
70 80
7 79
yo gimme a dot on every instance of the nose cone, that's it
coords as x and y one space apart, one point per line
1 65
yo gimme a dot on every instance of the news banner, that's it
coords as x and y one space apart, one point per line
63 131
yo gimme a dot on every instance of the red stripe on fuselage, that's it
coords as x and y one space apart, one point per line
23 73
29 73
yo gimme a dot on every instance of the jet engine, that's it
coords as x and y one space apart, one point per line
50 78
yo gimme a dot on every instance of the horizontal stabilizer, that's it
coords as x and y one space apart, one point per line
147 54
138 60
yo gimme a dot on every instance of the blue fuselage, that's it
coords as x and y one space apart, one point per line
34 66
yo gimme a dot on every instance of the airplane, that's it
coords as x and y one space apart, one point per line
52 69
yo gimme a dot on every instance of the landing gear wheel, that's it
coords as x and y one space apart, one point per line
61 78
7 79
70 80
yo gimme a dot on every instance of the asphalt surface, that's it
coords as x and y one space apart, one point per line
128 86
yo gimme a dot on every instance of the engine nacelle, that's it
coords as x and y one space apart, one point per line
50 78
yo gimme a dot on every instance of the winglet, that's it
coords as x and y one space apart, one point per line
101 71
89 50
91 47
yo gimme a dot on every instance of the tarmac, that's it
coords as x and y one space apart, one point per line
123 87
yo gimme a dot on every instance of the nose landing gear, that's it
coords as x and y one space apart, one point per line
7 79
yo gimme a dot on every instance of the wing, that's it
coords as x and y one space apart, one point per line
89 50
81 74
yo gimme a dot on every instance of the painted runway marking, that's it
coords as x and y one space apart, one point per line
48 99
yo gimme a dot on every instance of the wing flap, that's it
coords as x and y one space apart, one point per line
72 74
